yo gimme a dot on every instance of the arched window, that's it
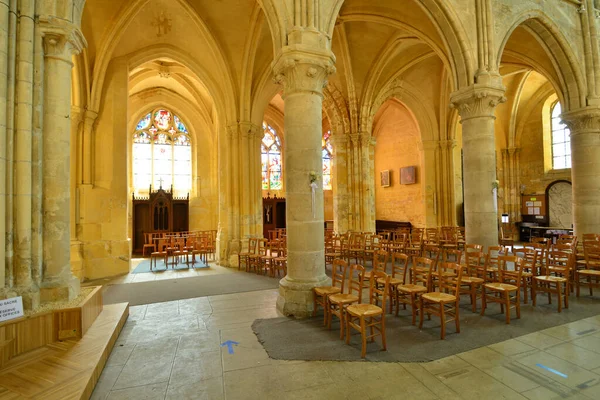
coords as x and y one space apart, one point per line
561 140
327 152
272 172
162 153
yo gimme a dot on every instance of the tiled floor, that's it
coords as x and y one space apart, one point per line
172 351
160 275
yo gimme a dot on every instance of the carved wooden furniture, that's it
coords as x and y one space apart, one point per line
369 316
273 210
445 303
159 212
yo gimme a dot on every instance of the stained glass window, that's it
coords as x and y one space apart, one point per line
271 160
162 153
327 152
561 140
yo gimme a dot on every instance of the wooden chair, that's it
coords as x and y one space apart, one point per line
179 252
420 278
507 235
243 256
371 316
584 277
149 243
373 243
337 303
338 277
472 248
399 270
445 303
415 244
556 278
200 248
160 253
333 250
380 260
254 260
280 262
529 266
471 281
357 249
501 291
451 255
267 262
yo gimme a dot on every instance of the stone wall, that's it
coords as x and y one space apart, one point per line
397 146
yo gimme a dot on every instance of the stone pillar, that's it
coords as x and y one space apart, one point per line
445 201
87 148
341 205
303 75
428 180
3 129
585 168
354 182
23 149
367 181
476 105
61 40
76 246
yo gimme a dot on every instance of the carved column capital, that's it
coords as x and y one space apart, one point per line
250 130
582 121
448 144
477 101
232 131
303 71
426 145
62 39
338 140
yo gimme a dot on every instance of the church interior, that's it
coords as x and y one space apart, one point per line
222 199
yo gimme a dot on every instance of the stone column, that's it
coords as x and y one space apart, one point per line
428 180
87 148
367 181
61 40
76 248
476 105
303 75
3 128
341 205
585 168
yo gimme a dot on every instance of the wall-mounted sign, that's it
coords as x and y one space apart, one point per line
11 308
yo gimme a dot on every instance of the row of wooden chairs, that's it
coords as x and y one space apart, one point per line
264 257
151 239
433 287
179 248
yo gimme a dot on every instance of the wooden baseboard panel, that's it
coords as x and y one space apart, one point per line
66 369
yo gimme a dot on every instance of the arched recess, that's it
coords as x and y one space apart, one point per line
203 196
219 79
398 145
559 204
570 82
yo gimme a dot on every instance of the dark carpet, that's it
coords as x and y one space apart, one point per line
289 339
144 266
186 288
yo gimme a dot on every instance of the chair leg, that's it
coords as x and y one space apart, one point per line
483 301
383 341
507 302
443 320
558 290
473 298
421 312
533 291
315 304
525 300
567 293
363 333
413 306
348 318
342 317
457 316
518 307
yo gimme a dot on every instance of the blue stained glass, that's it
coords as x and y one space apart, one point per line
180 126
144 122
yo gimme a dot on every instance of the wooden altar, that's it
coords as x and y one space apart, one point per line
159 212
273 214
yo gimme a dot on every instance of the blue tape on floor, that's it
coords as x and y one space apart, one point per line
551 370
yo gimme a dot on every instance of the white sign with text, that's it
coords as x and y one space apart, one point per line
11 308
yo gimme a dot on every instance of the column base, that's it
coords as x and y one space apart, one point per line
296 297
60 291
31 296
77 259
